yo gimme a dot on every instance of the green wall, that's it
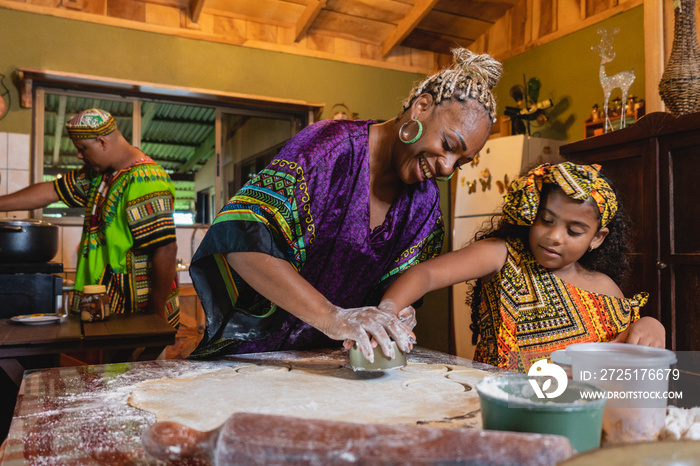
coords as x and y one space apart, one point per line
57 44
568 71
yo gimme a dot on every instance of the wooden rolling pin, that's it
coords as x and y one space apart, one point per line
270 439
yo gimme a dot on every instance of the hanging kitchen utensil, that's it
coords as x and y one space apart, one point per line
340 111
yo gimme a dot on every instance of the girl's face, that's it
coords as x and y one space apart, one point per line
453 133
563 231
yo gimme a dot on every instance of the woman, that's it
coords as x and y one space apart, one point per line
298 256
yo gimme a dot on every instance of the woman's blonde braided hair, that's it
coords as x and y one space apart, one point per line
472 76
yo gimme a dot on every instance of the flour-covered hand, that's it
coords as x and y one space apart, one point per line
359 324
406 316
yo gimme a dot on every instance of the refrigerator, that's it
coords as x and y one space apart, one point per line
481 187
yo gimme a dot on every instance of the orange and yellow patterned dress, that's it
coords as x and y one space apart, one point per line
526 312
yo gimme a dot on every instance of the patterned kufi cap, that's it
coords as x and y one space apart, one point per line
577 181
91 123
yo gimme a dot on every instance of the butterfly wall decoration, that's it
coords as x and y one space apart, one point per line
475 160
485 180
503 185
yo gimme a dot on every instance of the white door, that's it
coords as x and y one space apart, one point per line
464 230
481 183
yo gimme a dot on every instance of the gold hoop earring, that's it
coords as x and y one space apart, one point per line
404 133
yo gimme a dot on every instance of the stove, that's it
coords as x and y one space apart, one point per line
30 288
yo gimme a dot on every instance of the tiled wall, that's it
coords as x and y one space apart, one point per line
14 167
68 240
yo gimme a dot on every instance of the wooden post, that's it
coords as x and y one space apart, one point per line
654 53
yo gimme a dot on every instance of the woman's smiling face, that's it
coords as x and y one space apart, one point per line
453 133
563 231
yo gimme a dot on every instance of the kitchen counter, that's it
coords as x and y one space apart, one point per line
119 331
80 415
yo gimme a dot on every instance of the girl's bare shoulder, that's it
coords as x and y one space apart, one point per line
598 282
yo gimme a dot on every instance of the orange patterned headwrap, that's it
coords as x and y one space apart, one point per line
577 181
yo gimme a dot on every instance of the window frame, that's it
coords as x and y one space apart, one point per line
35 84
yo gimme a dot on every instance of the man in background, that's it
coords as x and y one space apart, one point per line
128 240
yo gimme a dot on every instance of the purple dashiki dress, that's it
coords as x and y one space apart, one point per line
310 206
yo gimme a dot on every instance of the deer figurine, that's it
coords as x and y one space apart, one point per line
622 80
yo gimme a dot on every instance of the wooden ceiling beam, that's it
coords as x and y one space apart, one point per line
58 130
420 9
204 148
438 43
196 9
307 18
147 118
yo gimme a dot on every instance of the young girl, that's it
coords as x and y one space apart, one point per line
547 272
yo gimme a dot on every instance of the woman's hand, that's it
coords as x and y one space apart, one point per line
279 282
406 316
358 324
646 331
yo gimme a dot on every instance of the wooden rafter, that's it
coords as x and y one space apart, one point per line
148 114
199 152
420 9
308 17
196 9
58 130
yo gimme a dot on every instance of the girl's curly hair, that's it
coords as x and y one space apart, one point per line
609 258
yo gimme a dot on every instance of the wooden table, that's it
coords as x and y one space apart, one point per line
80 415
122 333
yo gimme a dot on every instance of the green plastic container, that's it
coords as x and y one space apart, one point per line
510 403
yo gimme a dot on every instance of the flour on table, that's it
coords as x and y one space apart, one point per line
205 400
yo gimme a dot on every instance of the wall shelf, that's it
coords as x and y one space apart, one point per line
597 127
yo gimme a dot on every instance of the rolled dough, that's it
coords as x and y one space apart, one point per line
205 400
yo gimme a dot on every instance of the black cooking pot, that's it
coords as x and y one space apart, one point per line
27 240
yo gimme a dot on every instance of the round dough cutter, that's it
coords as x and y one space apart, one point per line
358 361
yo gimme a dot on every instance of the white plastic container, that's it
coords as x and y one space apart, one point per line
562 359
635 379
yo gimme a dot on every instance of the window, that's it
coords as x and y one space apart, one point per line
180 138
183 135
